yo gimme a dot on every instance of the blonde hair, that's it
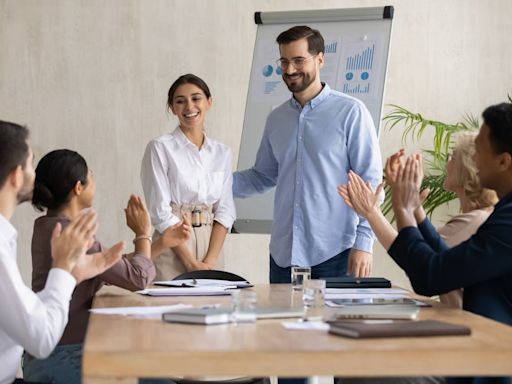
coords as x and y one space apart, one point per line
466 174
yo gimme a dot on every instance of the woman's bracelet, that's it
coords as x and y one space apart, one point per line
143 237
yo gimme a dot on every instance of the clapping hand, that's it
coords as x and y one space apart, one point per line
178 233
393 166
406 189
69 248
137 216
89 266
70 244
359 196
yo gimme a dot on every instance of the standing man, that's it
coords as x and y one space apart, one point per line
31 321
309 144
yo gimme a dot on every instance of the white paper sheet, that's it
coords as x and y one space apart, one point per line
305 325
186 291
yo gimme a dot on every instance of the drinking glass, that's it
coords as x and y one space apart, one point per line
299 276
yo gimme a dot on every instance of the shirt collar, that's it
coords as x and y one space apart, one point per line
7 231
316 100
183 140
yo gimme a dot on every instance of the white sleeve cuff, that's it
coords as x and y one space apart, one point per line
61 283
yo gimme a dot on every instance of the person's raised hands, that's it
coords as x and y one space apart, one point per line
406 190
70 244
178 233
89 266
137 216
393 166
359 196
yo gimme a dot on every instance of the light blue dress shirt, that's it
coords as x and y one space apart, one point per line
306 153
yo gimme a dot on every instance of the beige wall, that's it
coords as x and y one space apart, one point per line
93 75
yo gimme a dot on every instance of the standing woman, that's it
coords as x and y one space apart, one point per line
187 173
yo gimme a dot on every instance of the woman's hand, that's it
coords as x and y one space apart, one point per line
177 234
393 166
406 190
359 196
137 216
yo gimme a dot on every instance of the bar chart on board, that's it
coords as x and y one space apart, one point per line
358 69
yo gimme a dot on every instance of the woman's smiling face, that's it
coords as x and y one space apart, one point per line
190 105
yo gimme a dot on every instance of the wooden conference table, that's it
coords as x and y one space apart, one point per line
120 349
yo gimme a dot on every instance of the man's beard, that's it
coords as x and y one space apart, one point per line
297 86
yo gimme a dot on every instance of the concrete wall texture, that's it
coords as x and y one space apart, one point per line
93 75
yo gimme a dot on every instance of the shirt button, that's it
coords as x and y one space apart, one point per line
300 137
297 205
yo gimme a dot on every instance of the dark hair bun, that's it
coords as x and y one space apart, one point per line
42 197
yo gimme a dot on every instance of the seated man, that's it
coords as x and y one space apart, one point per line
31 321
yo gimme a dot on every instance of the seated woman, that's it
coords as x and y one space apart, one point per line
64 186
476 203
186 172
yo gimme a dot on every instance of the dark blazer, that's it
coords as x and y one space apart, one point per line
482 265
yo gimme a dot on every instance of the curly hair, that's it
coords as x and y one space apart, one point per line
466 174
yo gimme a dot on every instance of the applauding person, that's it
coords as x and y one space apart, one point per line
64 186
30 321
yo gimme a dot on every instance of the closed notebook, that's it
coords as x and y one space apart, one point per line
421 328
199 316
357 282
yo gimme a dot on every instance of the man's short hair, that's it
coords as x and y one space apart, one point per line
499 120
13 148
314 37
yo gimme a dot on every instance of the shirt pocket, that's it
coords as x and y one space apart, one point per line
215 183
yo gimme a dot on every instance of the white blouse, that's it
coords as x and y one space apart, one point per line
174 170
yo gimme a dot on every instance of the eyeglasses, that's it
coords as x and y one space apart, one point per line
297 62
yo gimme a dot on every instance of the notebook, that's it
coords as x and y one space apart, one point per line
278 312
357 282
198 316
421 328
223 315
404 312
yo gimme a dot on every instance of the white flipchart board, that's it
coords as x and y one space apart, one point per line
356 53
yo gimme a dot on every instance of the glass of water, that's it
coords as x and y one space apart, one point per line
243 306
313 293
299 276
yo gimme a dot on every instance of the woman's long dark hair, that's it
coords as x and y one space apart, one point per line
56 176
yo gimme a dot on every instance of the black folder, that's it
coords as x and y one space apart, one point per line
357 282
